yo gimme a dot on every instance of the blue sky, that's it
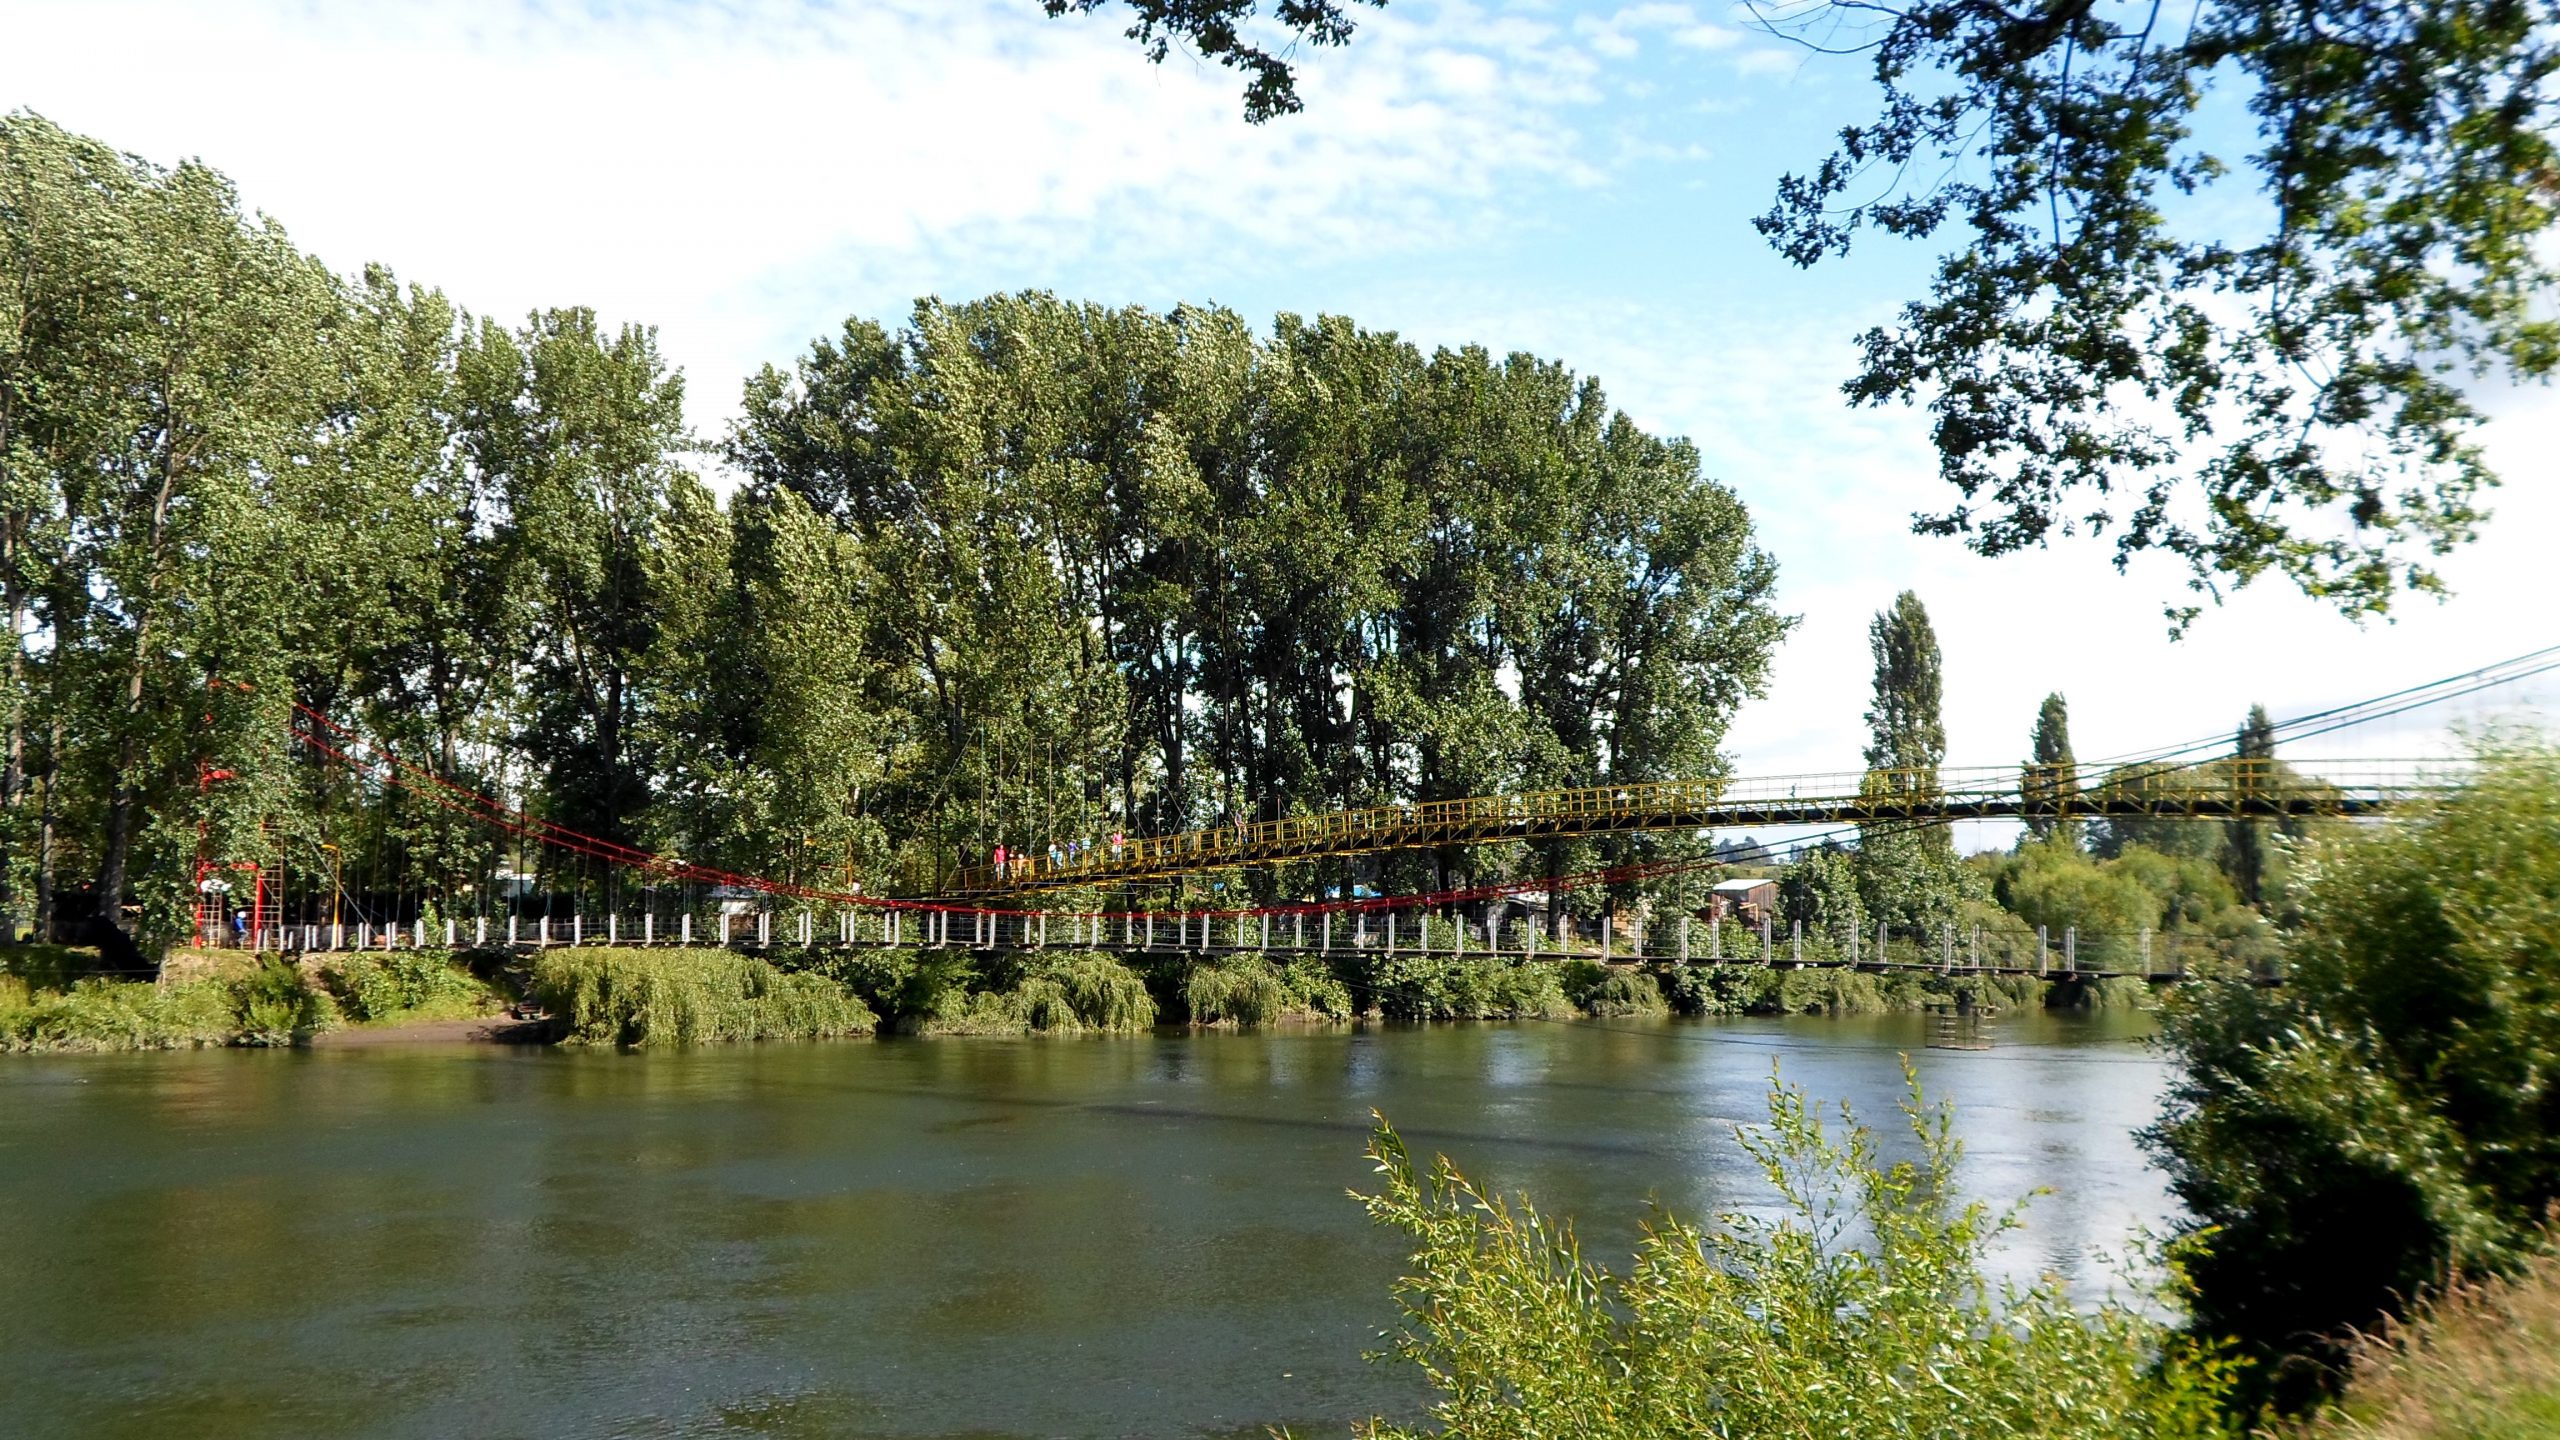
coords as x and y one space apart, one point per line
1572 179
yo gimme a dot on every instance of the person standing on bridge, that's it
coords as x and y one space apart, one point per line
999 861
1117 841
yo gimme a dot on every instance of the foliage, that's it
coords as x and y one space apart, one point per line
2050 772
1216 29
102 1014
2386 1116
2480 1361
1018 572
687 997
377 986
903 987
2293 401
1609 990
1820 892
1857 1309
276 1004
2098 350
1908 874
1459 987
48 967
1042 992
1253 990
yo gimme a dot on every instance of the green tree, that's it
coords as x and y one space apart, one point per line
2249 846
2050 773
2384 1118
165 398
576 431
2261 361
1908 874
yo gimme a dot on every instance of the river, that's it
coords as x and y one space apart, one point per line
1133 1236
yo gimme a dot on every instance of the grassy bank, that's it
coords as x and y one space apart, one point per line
604 995
2481 1363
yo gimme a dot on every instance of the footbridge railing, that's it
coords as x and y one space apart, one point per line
2219 789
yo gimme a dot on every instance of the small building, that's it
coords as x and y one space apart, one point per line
1747 900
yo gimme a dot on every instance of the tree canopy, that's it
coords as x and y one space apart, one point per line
2251 341
1017 572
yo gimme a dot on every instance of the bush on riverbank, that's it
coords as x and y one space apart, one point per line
951 992
1457 987
682 997
389 987
1754 990
1254 990
115 1015
2387 1116
1607 991
1772 1326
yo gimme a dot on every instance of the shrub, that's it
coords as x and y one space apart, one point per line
683 997
2385 1117
905 988
117 1015
1043 992
276 1004
1860 1310
1608 991
1251 990
1461 987
383 985
1237 990
48 967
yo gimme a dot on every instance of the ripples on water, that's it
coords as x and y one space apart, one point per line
1129 1236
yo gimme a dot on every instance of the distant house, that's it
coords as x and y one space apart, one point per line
1746 900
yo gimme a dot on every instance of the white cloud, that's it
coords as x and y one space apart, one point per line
677 162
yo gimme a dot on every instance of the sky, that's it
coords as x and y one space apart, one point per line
1575 180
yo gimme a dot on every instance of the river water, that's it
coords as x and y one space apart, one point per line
1141 1236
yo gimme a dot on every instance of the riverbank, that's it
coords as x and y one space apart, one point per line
601 995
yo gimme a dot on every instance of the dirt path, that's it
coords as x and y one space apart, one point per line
482 1030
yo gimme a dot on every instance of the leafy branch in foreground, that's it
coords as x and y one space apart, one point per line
1854 1307
1213 27
2099 342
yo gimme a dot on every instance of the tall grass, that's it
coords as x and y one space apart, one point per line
686 997
2480 1363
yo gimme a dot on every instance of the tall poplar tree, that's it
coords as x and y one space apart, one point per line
2247 853
2050 772
1907 871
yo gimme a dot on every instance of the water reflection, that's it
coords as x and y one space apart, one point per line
1134 1236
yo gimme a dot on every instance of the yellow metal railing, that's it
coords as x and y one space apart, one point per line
2221 788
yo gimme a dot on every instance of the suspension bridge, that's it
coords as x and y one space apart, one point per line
1019 906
